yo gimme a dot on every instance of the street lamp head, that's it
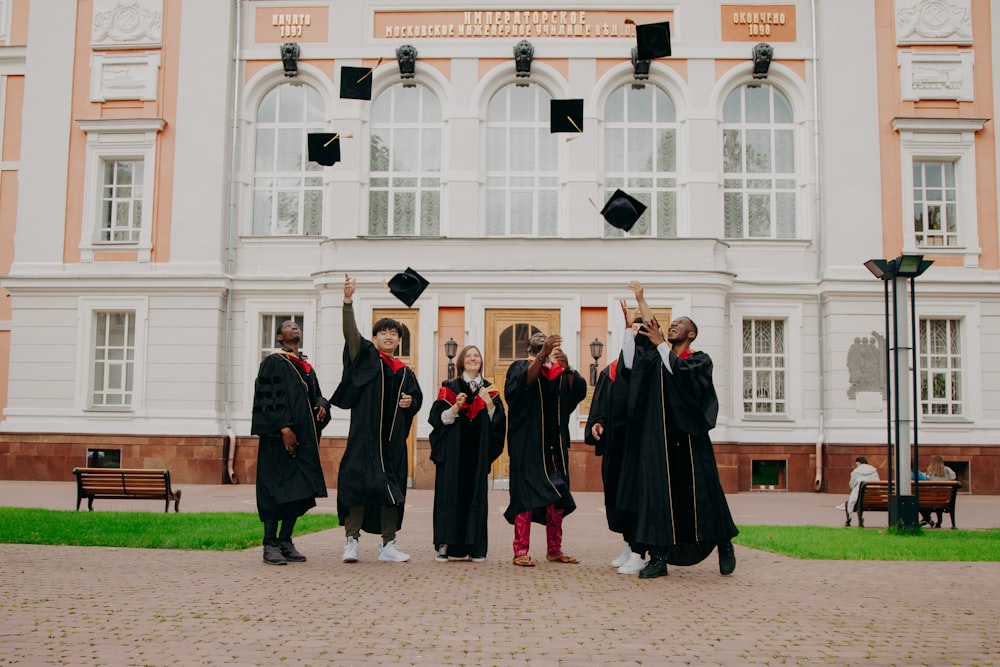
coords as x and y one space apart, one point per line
911 266
451 348
880 268
596 349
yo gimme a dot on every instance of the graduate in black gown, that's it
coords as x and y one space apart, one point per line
541 394
289 413
469 426
606 430
383 396
670 478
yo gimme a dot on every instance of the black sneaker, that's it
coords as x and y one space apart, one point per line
727 559
272 555
656 567
290 553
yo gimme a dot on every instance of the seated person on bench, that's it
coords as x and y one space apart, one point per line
936 469
863 472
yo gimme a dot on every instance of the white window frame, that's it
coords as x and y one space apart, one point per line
942 140
773 191
308 171
257 308
88 307
970 316
535 174
627 178
791 314
420 173
948 220
117 139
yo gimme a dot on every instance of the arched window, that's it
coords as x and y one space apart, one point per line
758 157
521 164
640 156
404 195
287 188
514 340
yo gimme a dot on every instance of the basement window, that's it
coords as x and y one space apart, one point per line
768 475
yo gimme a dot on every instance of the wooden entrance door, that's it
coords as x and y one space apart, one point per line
507 335
407 353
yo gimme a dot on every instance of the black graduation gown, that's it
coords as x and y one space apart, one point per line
373 469
463 452
669 475
286 396
609 408
539 448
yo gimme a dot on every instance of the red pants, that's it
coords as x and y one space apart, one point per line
553 531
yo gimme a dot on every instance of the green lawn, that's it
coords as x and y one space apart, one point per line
821 543
231 531
214 531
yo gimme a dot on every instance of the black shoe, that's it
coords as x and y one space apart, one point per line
290 553
656 567
727 559
272 555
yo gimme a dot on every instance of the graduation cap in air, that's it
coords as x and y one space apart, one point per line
407 286
324 148
356 83
653 40
623 210
566 116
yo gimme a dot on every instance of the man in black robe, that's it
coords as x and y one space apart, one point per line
606 429
541 396
469 425
289 412
670 478
383 396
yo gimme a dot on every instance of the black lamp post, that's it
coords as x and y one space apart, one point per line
596 350
450 350
899 420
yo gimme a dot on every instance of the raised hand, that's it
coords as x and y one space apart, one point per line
637 289
349 285
652 331
551 343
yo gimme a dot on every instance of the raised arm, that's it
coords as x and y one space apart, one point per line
638 290
352 337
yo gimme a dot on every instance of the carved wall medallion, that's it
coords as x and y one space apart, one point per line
933 22
127 24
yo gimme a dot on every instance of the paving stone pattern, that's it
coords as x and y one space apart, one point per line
107 606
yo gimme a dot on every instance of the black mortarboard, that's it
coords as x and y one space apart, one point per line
653 40
356 83
407 286
622 210
566 116
324 148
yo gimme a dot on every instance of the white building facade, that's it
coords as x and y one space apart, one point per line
160 215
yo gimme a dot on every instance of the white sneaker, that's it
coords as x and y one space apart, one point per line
351 550
840 507
623 557
389 553
633 565
478 559
442 554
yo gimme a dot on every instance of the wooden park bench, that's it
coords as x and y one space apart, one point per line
125 484
933 496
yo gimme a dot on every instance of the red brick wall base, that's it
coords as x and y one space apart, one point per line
202 460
